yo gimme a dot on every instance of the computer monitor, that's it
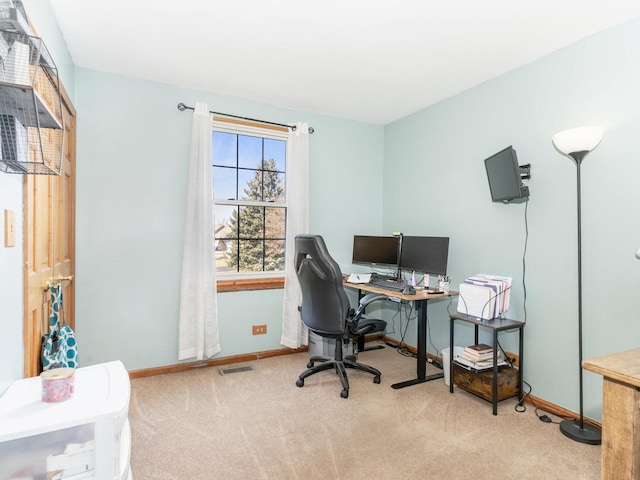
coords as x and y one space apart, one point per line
425 254
504 175
372 250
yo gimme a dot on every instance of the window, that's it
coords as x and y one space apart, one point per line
249 186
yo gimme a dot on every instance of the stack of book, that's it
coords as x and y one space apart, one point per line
478 352
478 357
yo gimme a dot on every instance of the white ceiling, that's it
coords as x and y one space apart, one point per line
368 60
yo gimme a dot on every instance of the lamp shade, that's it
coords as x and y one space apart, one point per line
581 139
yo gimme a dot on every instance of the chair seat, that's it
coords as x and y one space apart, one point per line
366 325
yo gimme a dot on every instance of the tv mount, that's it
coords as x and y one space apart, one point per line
527 171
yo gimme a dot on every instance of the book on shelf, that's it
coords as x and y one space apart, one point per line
477 358
479 348
478 366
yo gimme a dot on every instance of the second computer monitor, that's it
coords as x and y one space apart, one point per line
425 254
372 250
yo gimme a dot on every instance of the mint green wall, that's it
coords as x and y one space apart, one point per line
434 163
133 149
11 288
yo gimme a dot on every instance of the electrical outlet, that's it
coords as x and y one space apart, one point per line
259 329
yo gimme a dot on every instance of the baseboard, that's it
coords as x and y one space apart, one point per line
213 362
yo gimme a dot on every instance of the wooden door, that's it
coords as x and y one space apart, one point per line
49 242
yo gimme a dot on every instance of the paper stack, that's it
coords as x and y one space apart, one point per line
484 296
359 278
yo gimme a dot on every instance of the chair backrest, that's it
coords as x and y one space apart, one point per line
325 304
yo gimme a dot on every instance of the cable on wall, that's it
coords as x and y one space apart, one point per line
182 107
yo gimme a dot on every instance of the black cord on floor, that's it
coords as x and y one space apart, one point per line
520 406
544 417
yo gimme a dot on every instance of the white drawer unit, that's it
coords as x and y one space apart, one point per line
85 437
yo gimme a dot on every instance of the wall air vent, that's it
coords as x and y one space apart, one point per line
31 122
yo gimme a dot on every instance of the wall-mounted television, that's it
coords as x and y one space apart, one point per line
372 250
505 177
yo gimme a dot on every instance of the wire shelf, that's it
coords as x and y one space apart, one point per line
31 121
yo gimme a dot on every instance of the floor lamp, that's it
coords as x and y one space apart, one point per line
577 143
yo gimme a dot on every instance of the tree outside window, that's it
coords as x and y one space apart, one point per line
249 186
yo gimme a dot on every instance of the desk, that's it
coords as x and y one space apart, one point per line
420 298
620 412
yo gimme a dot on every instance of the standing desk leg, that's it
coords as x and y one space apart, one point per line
494 387
360 339
422 377
362 348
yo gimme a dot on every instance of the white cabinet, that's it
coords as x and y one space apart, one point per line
84 437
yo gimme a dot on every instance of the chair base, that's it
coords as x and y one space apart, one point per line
340 365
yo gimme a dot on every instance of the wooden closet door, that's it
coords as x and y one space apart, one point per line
49 242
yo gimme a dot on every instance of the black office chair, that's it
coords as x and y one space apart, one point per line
326 310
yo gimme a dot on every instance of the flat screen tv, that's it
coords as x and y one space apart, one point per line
425 254
505 180
372 250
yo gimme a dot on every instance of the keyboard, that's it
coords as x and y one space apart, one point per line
386 284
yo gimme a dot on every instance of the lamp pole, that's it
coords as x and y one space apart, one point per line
578 431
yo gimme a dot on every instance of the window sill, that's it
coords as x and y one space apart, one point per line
251 284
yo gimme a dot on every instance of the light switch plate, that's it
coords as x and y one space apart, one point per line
9 228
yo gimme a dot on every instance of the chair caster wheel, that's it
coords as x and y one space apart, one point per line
344 393
310 365
376 379
300 382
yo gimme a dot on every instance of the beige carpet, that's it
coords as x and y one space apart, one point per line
258 425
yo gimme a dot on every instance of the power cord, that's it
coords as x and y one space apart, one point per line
520 406
403 348
544 417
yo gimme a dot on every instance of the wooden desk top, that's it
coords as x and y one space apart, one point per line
623 366
419 295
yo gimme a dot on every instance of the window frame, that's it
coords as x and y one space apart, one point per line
239 281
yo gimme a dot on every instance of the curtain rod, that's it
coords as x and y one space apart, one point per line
182 107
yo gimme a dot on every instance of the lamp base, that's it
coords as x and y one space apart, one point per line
586 434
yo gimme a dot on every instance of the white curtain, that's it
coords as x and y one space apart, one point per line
198 322
294 333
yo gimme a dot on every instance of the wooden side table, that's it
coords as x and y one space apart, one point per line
620 412
501 385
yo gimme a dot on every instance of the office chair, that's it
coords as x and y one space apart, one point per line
326 310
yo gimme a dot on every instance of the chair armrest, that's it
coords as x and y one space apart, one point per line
366 300
372 297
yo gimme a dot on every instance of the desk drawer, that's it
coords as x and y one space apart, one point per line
480 383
